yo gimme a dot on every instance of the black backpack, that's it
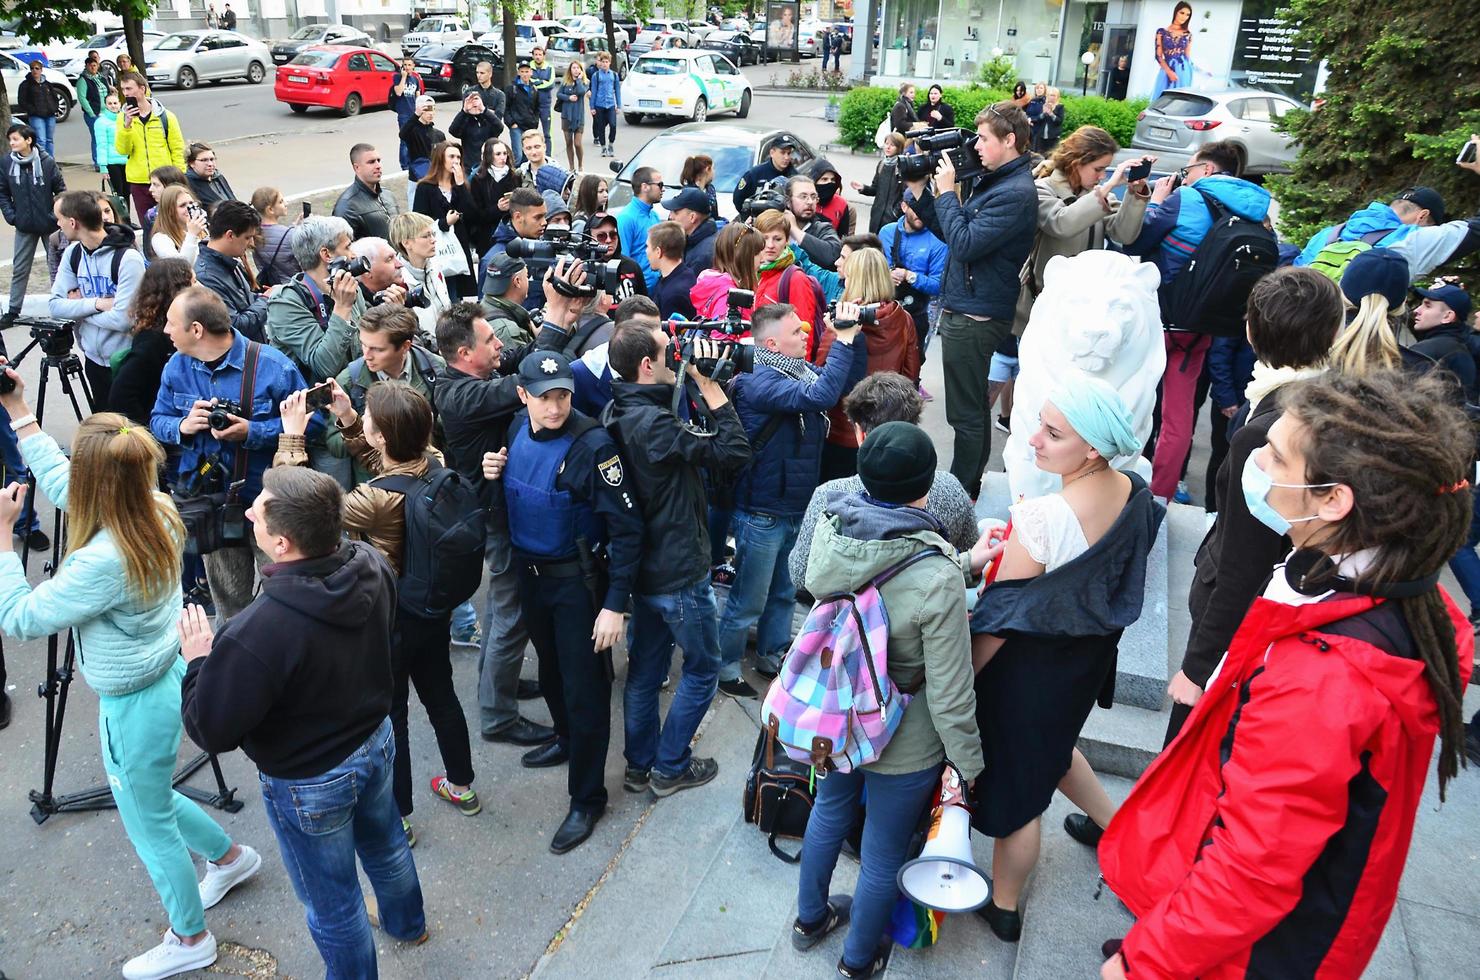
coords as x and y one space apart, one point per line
442 552
1210 295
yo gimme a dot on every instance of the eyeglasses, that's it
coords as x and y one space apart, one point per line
806 197
603 236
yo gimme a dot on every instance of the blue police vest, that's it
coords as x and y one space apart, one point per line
544 522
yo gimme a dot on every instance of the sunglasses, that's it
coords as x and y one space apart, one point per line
653 183
603 236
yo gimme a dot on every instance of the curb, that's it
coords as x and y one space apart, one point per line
796 93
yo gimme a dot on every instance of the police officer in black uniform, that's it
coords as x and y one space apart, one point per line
777 164
577 538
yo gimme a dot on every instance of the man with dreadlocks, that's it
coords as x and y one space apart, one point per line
1269 838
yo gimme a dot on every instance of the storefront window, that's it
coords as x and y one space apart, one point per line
909 39
1029 35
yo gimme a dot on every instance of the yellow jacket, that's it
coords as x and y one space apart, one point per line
149 143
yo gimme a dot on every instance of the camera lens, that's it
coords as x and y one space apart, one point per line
530 248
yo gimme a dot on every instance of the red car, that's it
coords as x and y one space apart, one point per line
335 75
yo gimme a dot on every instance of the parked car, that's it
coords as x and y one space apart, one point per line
108 45
646 39
690 84
185 57
316 34
436 30
844 29
591 24
447 70
1181 120
807 41
13 70
343 77
565 48
528 34
735 45
734 146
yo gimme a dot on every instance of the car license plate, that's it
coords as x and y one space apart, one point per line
649 104
303 79
1162 134
675 102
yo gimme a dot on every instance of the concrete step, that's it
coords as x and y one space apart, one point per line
1123 740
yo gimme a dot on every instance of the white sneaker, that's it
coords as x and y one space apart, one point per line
171 957
222 878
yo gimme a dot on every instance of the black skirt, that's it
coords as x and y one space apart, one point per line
1032 700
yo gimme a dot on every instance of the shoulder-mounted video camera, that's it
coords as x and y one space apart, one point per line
602 274
769 196
959 145
734 357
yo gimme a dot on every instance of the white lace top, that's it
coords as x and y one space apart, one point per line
1048 530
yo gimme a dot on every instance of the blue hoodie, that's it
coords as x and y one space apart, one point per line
1174 228
1375 217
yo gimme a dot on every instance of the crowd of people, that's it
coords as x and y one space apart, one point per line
333 431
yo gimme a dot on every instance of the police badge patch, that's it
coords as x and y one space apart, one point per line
611 471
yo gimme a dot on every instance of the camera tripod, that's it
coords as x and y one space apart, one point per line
54 337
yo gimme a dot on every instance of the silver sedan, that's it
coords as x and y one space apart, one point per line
188 57
1181 120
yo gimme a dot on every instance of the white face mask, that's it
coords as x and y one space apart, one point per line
1256 485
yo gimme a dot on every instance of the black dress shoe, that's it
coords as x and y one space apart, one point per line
5 708
36 541
1080 827
528 691
1110 947
1006 926
573 831
522 732
546 756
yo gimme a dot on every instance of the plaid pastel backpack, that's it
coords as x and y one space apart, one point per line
833 705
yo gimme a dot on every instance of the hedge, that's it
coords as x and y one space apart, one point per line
863 108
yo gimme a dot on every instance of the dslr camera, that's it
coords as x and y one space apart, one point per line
734 357
220 414
602 274
356 266
416 298
959 145
770 196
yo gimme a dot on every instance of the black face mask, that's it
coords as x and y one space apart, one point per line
825 193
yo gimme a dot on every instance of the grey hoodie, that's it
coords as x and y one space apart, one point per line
929 645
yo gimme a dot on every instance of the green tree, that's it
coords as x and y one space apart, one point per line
1402 97
45 21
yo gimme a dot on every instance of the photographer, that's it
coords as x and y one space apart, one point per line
213 364
118 590
783 406
218 267
381 282
473 126
777 164
301 682
504 292
95 283
989 237
475 399
814 233
673 601
577 540
604 228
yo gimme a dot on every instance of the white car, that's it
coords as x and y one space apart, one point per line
14 71
437 30
108 45
187 57
685 83
528 34
591 24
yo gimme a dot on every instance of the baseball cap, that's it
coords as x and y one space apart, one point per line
690 199
785 142
1426 198
600 218
423 101
501 272
1377 270
545 370
1451 296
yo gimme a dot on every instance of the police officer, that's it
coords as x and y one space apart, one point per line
777 164
567 504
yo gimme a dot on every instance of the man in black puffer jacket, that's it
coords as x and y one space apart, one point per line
29 185
989 237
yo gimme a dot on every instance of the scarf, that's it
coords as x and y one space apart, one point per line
499 173
34 160
780 262
1267 379
793 367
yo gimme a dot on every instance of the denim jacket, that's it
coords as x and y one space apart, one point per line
187 379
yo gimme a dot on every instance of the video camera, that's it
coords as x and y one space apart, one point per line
54 337
959 145
356 266
770 196
602 274
734 358
868 315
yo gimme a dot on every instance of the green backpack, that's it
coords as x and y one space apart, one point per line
1333 258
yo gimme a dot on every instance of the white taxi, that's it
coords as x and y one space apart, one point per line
691 84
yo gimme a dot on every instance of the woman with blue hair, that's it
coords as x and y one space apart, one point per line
1045 632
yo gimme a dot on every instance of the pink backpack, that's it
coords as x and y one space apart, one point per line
833 705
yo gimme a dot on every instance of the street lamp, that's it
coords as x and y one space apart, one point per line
1086 59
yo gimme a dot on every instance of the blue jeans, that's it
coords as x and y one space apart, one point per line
1466 564
516 143
417 169
762 591
402 118
92 143
46 130
464 618
895 805
16 472
685 617
322 822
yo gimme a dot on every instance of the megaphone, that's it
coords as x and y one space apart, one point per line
943 877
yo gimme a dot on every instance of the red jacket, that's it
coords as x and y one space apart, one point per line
803 290
1269 838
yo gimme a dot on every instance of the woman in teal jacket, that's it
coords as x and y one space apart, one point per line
110 161
118 590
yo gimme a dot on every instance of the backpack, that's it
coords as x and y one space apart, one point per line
74 259
833 705
1331 261
1210 295
783 292
442 552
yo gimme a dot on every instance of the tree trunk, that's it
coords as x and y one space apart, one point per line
133 29
611 30
4 105
511 50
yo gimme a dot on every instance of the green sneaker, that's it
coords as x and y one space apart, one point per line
466 801
409 832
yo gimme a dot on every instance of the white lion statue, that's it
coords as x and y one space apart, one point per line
1098 313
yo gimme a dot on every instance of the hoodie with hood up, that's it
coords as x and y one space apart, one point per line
835 209
929 644
100 334
301 677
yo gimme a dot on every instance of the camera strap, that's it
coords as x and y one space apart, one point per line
249 383
315 301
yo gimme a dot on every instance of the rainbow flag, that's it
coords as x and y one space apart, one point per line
913 926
